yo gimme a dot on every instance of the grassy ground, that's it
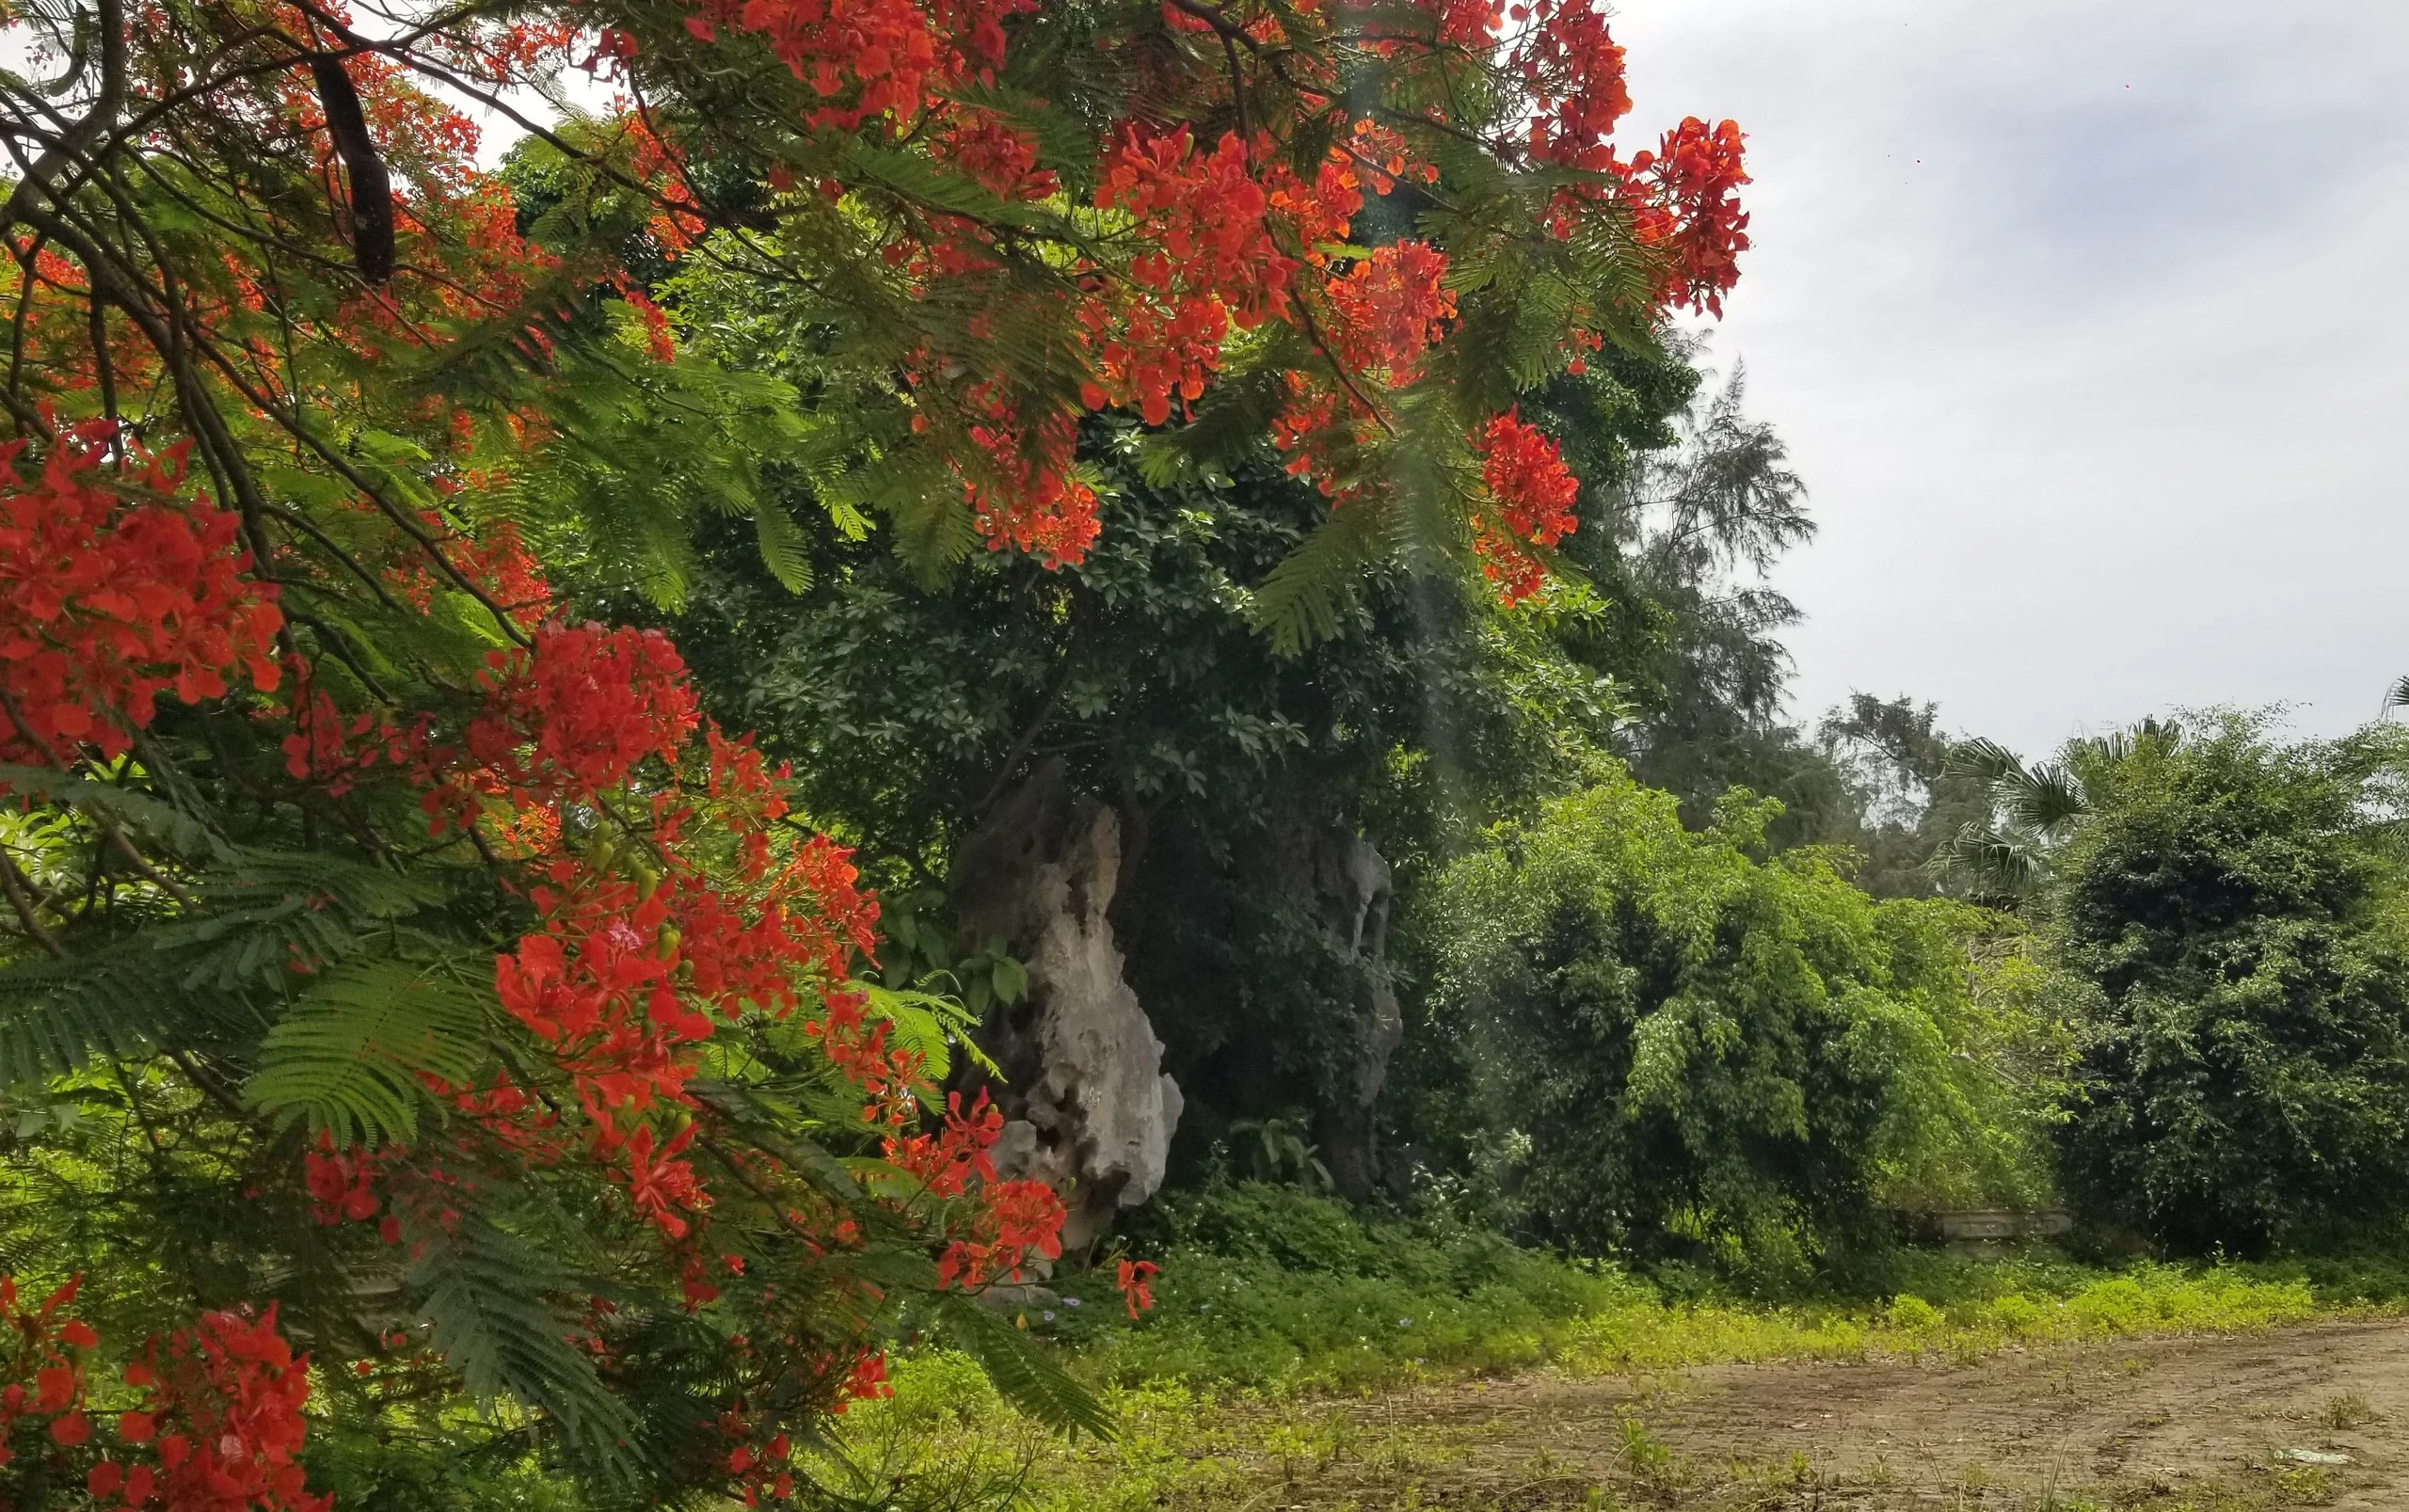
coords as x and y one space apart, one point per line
1289 1334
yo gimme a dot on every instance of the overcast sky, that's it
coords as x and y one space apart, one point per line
2086 323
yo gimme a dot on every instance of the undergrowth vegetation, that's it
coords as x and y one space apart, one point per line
1279 1318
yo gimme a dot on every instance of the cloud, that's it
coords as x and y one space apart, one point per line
2086 324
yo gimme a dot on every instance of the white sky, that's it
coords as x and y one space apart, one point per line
2086 325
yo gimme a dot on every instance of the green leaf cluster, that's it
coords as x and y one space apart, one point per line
1688 1052
2231 913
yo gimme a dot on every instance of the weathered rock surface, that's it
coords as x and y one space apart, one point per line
1343 880
1087 1104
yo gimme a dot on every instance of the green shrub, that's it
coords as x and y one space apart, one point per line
1723 1059
2233 908
1268 1286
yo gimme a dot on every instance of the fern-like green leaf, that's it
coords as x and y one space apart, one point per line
932 184
350 1058
136 812
782 547
58 1016
484 1293
1300 601
1027 1379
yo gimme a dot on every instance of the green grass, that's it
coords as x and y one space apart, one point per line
1269 1289
1277 1312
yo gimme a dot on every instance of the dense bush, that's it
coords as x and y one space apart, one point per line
1266 1284
2231 909
1696 1053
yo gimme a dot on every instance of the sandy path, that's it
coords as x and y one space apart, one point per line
2208 1423
2138 1414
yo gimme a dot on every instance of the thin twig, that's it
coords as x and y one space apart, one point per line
20 890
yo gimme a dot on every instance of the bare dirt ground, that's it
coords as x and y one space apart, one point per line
2311 1416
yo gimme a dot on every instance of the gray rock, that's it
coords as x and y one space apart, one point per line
1088 1107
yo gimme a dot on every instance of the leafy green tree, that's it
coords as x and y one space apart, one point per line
1712 1055
2233 908
1908 800
1691 531
912 707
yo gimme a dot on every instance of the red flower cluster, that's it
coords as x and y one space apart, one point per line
946 1161
647 944
1018 1220
595 987
760 1455
1391 309
218 1430
326 750
342 1184
225 1409
1009 1222
1532 493
888 1078
1573 71
759 1466
576 714
1200 216
1209 263
1465 23
1200 243
46 1352
111 594
995 153
1029 494
871 58
1693 208
497 558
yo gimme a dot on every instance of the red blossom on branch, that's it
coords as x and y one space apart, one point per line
1531 494
47 1354
113 594
1692 209
224 1415
574 715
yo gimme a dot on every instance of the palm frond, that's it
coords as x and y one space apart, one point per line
2047 798
1982 760
1998 863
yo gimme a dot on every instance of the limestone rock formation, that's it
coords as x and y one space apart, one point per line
1088 1105
1343 881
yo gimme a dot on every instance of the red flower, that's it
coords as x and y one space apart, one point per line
1133 1278
237 1391
1532 493
105 605
576 714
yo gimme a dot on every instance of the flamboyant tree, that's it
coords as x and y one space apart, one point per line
400 966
